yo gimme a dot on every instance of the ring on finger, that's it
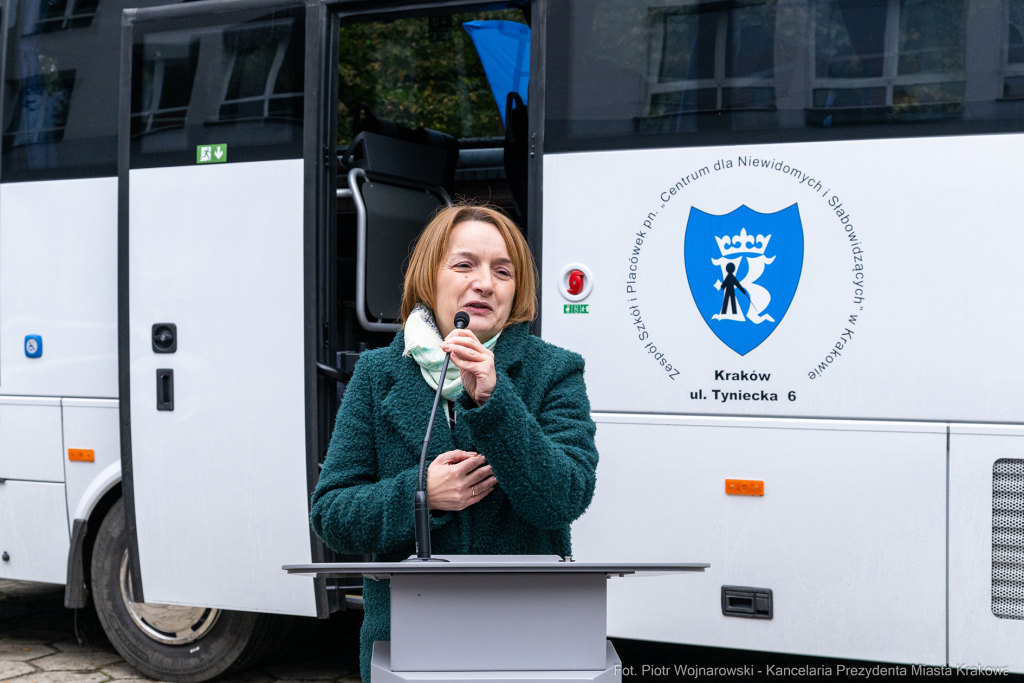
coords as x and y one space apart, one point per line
474 490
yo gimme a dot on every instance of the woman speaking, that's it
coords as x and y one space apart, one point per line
515 463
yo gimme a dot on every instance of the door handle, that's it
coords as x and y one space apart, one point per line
165 338
164 389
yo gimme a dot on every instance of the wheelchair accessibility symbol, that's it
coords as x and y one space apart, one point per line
33 345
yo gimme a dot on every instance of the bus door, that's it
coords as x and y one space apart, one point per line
218 307
431 104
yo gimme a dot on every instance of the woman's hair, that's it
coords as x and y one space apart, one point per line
432 247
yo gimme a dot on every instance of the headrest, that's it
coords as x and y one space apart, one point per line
396 150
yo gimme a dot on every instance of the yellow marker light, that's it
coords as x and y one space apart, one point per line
81 455
744 487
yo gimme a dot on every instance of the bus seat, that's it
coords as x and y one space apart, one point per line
367 122
396 186
395 217
390 158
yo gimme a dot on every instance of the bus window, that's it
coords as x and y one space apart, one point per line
239 85
421 71
60 99
684 72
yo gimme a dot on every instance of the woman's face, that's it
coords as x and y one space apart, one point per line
476 276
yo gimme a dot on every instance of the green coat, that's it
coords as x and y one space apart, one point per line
535 432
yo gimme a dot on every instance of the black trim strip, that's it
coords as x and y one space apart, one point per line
319 157
5 7
363 10
559 141
75 589
396 9
535 110
123 359
201 8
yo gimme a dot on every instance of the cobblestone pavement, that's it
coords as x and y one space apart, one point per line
38 644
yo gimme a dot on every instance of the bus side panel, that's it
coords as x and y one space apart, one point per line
30 439
220 480
888 277
33 531
58 280
981 515
90 424
849 534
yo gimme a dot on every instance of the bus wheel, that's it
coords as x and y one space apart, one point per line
168 642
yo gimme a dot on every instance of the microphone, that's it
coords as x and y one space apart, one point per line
422 511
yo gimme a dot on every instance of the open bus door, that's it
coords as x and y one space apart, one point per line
261 245
219 318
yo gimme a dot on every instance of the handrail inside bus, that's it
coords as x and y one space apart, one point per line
352 192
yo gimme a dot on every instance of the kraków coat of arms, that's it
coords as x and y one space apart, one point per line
743 268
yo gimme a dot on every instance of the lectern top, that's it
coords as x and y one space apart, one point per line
492 564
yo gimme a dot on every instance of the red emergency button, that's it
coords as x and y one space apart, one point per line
576 282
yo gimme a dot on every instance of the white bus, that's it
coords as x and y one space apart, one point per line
783 234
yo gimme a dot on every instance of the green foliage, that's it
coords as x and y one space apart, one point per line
419 72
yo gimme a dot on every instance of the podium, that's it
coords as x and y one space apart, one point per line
507 618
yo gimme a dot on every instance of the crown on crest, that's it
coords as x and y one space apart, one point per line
742 243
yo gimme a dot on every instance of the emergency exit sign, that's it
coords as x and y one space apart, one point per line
211 154
576 308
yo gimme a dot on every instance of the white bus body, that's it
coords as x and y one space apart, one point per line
862 370
854 519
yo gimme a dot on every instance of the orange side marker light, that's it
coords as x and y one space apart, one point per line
81 455
744 487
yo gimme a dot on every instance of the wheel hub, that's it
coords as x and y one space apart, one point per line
167 624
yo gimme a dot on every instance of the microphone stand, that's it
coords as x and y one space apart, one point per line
420 507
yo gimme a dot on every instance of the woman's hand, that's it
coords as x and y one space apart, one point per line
475 363
457 479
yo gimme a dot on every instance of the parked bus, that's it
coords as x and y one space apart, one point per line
783 234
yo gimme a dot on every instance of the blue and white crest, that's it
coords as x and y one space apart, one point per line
743 268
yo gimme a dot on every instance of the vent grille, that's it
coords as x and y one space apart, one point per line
1008 538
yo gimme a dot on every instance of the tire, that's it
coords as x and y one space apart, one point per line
169 643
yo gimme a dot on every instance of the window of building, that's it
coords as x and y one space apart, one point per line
40 114
266 73
879 59
168 71
710 57
1013 77
57 15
